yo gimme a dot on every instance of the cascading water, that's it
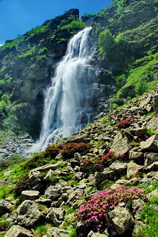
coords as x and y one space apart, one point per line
66 107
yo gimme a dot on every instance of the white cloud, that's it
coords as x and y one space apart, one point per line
1 44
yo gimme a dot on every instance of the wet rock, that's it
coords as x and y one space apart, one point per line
18 231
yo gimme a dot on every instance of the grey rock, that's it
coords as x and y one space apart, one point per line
138 226
102 176
96 234
56 216
57 232
134 154
133 170
18 231
29 195
151 144
118 167
153 124
53 192
120 144
28 214
4 207
121 220
153 167
138 206
153 194
150 158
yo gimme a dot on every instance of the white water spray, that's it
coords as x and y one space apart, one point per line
66 107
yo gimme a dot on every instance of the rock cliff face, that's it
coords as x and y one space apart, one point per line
27 65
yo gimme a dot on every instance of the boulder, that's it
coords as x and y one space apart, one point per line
57 232
152 167
56 216
138 226
153 124
133 170
44 168
155 103
138 206
96 234
18 231
135 154
28 214
153 194
53 192
121 220
120 144
107 174
151 144
29 195
150 158
118 167
4 207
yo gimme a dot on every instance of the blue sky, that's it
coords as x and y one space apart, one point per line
19 16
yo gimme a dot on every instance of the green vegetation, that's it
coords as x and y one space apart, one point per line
8 118
75 24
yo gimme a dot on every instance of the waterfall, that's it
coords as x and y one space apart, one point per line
67 101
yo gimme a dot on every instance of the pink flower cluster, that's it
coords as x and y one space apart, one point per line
94 213
98 163
126 122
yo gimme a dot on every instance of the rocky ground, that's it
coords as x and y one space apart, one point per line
54 191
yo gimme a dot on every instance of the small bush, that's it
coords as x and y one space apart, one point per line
69 149
141 87
94 213
98 163
126 123
53 150
22 184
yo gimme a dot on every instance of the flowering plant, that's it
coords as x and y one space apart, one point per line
94 213
126 122
22 184
68 150
53 150
98 163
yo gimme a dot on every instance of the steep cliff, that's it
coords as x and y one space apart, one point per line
26 67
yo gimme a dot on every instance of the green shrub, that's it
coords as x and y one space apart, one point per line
68 150
22 184
75 24
141 87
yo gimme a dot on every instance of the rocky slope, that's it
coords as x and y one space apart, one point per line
117 153
126 34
